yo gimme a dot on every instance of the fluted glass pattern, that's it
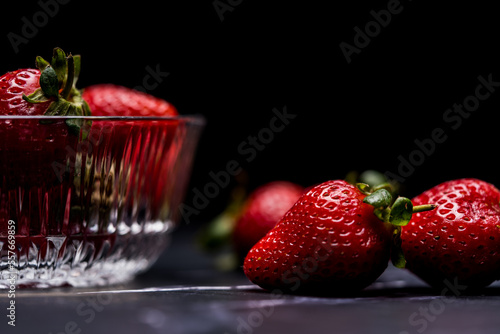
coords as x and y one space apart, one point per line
93 207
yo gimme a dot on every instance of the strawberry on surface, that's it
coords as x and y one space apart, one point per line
261 212
459 241
334 240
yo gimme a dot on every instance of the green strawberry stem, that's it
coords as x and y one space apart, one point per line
425 207
217 234
68 87
374 179
58 84
397 255
397 212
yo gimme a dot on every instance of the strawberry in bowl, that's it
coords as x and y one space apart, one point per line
29 147
92 194
148 121
115 100
38 92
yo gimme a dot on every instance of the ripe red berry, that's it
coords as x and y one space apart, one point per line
330 241
29 146
261 212
459 241
12 87
114 100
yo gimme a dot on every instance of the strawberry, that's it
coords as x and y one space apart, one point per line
337 238
261 212
140 135
12 87
29 147
459 241
114 100
48 90
59 177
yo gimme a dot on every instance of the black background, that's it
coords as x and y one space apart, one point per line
265 55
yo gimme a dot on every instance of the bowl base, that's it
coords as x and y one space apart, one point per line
89 262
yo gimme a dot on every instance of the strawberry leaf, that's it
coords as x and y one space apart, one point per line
77 59
401 212
58 108
397 255
379 199
68 87
59 64
398 258
383 214
364 188
57 84
75 125
41 63
49 82
86 108
36 97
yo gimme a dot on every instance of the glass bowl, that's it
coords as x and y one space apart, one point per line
89 201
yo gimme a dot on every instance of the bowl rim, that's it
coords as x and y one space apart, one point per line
195 118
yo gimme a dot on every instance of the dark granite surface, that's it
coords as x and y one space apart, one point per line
183 294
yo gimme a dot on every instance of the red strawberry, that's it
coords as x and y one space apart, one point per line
140 136
261 212
12 87
29 185
330 241
26 144
114 100
460 239
48 90
73 203
28 147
